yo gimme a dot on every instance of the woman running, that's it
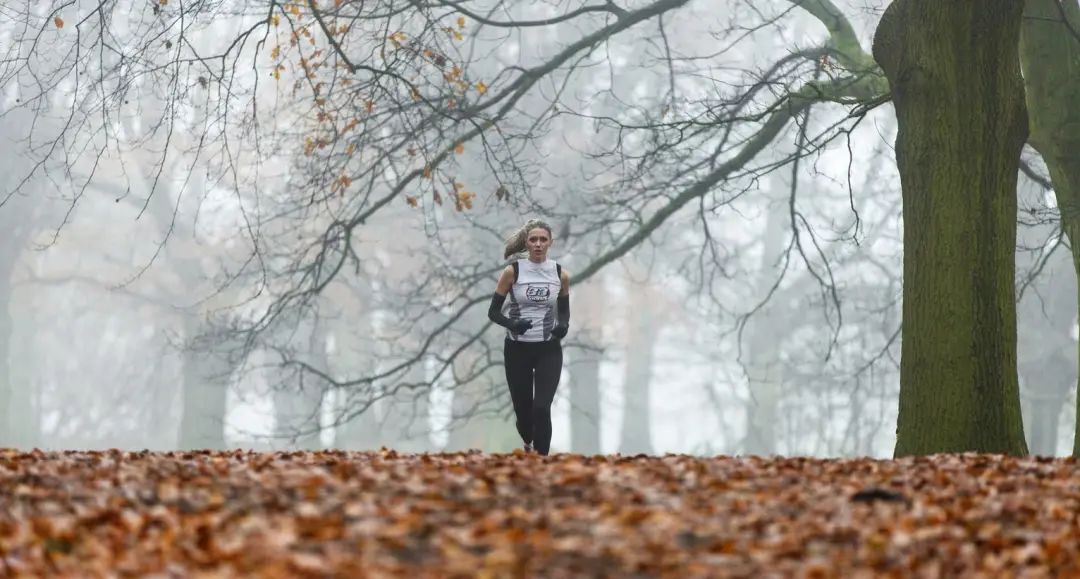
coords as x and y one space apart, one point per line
536 319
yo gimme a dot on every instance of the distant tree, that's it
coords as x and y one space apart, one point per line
373 104
330 122
1050 56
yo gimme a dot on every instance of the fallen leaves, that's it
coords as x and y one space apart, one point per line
342 514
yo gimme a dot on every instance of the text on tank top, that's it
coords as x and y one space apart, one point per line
532 297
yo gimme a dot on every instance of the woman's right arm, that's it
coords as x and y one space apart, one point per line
506 281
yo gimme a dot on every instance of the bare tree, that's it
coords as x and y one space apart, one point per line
381 109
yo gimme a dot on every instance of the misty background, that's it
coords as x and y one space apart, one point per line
176 272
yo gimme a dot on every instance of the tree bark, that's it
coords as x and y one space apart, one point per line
954 71
1050 56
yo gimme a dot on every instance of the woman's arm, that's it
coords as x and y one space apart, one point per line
506 281
562 307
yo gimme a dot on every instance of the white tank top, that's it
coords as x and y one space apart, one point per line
532 297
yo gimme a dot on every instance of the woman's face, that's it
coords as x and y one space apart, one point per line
538 242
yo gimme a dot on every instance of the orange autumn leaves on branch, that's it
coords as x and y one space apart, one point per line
412 64
462 199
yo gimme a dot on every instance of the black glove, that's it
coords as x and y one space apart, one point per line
562 306
519 326
516 327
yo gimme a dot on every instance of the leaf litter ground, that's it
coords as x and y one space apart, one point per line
381 514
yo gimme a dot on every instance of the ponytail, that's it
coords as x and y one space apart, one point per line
516 242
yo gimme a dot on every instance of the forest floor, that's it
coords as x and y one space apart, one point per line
338 514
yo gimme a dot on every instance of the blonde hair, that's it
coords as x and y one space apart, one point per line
516 242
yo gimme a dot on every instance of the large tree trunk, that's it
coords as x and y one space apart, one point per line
584 369
955 77
1050 53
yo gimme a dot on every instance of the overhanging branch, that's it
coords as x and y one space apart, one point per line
842 36
794 105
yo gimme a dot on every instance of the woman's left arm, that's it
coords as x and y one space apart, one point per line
562 305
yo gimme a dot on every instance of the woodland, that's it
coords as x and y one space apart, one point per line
824 286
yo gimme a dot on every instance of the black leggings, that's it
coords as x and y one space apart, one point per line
531 364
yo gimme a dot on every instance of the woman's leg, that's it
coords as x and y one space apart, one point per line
519 377
548 371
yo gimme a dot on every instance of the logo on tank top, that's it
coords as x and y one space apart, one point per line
538 293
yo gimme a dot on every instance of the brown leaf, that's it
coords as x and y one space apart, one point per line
389 513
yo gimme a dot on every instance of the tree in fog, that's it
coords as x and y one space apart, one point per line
433 122
396 115
1050 57
962 124
18 424
1046 316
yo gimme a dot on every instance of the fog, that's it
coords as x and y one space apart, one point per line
185 264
